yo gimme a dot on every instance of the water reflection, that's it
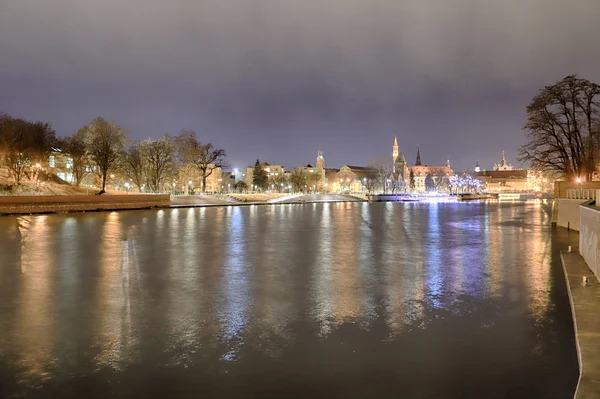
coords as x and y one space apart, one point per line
277 290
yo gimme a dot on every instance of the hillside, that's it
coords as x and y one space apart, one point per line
50 186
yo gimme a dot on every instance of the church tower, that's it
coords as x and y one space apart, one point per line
418 161
394 153
320 160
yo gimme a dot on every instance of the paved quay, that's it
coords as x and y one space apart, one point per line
585 304
208 201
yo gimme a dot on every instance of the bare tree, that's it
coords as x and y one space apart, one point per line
298 179
440 180
76 148
370 180
280 182
133 164
562 140
207 160
158 156
105 142
25 144
187 148
397 183
15 161
383 168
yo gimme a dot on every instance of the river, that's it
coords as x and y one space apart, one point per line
348 300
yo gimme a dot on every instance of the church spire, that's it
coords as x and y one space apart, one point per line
503 159
394 153
418 161
448 162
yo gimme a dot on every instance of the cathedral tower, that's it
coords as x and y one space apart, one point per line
418 161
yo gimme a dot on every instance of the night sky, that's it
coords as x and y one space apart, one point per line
277 79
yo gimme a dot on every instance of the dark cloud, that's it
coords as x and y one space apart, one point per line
277 79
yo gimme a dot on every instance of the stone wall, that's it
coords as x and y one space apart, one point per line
589 236
78 203
565 213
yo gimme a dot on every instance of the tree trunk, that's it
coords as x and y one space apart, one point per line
103 190
203 183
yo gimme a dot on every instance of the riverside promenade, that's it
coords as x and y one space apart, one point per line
19 205
24 205
585 305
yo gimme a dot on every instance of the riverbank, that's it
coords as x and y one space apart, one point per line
19 205
585 302
24 205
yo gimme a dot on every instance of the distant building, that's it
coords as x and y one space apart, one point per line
503 165
401 171
318 170
320 160
477 168
504 180
273 171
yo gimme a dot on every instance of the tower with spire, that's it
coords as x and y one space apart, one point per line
503 165
320 160
418 161
394 153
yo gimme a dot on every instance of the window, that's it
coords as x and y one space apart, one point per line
51 161
69 163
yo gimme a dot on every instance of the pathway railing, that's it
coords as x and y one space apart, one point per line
583 193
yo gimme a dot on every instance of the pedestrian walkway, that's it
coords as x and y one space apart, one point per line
585 304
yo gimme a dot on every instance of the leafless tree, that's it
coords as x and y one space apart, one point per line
133 164
440 180
370 180
279 182
187 148
397 183
76 148
207 160
158 161
105 142
562 140
25 144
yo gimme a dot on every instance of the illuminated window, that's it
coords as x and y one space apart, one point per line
51 161
69 163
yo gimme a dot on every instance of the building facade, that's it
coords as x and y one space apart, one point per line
402 172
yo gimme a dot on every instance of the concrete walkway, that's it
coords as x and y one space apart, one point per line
585 305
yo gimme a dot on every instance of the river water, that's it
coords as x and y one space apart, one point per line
448 300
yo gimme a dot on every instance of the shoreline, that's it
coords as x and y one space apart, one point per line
584 301
40 207
44 205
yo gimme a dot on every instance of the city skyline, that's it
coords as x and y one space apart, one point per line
453 77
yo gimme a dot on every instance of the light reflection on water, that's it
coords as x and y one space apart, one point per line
224 288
